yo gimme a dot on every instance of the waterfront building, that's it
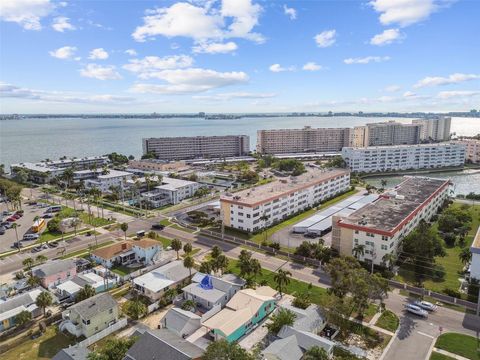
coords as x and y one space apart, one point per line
404 157
475 250
308 139
182 148
253 209
435 129
381 225
105 181
472 150
158 165
171 191
389 133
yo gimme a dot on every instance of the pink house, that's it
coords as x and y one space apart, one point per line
55 272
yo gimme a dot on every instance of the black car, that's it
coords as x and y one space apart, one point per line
2 230
158 227
53 244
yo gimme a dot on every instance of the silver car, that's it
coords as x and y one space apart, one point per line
417 310
425 305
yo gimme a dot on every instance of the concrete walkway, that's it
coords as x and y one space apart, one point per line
446 353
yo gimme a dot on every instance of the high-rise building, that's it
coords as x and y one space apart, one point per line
182 148
391 133
308 139
436 129
472 150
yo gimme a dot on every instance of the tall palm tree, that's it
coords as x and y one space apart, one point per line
221 263
44 300
28 263
256 268
176 245
124 228
282 279
244 263
188 262
68 176
384 183
465 256
388 260
265 218
358 251
86 292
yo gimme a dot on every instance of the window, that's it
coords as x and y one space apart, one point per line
356 231
384 238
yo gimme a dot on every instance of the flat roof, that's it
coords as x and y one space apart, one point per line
282 187
386 214
476 243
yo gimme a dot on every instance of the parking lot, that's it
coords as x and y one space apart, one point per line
23 225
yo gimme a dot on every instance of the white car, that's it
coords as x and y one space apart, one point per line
31 236
417 310
426 305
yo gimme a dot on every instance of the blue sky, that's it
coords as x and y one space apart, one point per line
239 56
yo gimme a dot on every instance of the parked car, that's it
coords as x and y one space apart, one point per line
417 310
36 249
53 244
2 230
158 227
42 205
6 224
426 305
17 244
310 235
6 213
48 216
11 219
31 236
16 216
19 214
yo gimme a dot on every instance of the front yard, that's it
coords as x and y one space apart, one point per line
388 321
459 344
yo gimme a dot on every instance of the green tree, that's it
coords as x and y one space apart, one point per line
244 263
279 319
40 259
187 248
135 308
302 301
220 263
224 350
176 246
282 279
86 292
124 228
44 300
114 349
216 252
28 263
68 176
358 251
33 281
53 226
465 256
315 353
206 267
188 305
189 263
23 317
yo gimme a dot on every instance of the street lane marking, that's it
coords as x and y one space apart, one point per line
429 336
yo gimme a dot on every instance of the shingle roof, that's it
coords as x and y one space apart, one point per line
109 252
24 299
210 295
308 319
176 319
283 349
72 353
162 344
53 267
305 339
146 243
97 304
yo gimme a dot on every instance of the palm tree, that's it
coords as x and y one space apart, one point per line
41 259
206 267
68 176
23 317
244 263
124 228
86 292
33 281
221 263
188 262
282 278
176 245
44 300
170 294
388 260
216 251
465 256
187 248
384 183
256 268
28 263
14 226
315 353
358 250
265 218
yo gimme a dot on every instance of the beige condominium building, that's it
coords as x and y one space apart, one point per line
386 133
308 139
381 225
436 129
253 209
472 150
193 147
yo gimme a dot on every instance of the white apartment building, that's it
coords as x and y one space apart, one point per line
472 150
381 225
404 157
104 182
436 129
203 147
172 191
391 133
475 250
308 139
245 210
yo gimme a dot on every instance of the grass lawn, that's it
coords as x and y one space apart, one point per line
122 270
463 345
50 236
165 241
438 356
165 222
453 266
85 251
42 348
192 253
388 321
178 227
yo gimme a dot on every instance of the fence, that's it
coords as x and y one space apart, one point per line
142 271
152 307
105 332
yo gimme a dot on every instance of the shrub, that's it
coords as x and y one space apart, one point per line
453 293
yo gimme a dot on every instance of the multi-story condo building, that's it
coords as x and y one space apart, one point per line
404 157
472 150
381 225
390 133
435 129
475 250
43 172
253 209
308 139
105 181
157 165
182 148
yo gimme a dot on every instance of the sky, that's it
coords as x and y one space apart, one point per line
239 56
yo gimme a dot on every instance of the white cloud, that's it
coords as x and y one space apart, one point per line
451 79
409 94
26 13
215 48
12 91
98 54
192 80
149 66
64 53
234 95
278 68
326 38
403 12
366 60
392 88
386 37
290 12
457 94
61 24
131 52
100 72
311 66
234 19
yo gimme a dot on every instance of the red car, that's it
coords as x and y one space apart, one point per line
19 214
16 216
11 219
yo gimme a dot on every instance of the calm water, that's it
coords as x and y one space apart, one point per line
38 139
464 181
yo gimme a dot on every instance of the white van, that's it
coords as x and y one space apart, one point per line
54 208
30 237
